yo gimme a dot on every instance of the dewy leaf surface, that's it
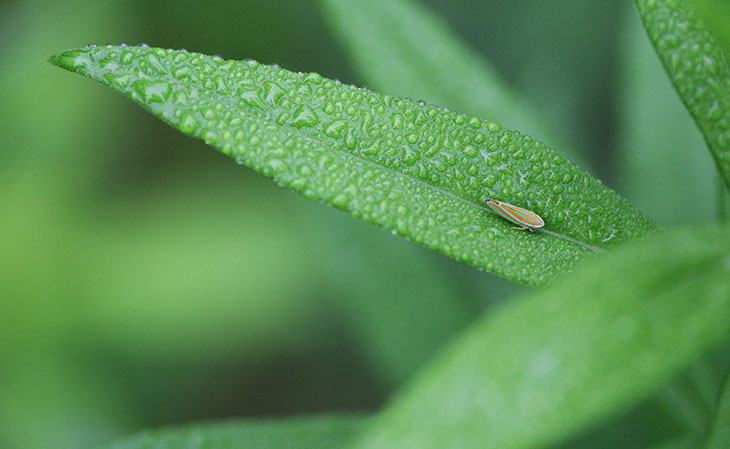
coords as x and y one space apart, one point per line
542 368
323 432
402 48
414 169
698 67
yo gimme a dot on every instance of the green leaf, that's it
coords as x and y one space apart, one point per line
648 424
560 360
679 411
698 67
323 432
413 169
401 48
656 158
720 433
716 15
692 396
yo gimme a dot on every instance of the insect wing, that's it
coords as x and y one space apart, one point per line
517 215
523 216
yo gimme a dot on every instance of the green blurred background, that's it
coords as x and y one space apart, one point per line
146 280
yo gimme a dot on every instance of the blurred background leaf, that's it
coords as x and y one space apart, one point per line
321 432
720 431
402 48
102 183
403 301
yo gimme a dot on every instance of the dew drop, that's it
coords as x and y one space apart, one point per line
397 121
341 200
152 91
335 128
470 151
188 124
119 81
272 91
493 127
304 116
313 77
251 97
277 165
304 170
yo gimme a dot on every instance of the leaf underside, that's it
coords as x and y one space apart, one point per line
416 170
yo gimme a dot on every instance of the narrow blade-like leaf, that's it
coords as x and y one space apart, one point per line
544 367
698 67
716 15
401 48
655 158
416 170
323 432
720 433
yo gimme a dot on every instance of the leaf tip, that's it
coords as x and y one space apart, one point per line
69 59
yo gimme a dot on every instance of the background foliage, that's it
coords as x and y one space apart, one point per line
138 296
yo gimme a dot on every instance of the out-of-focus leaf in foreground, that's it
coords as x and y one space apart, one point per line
698 67
402 48
553 363
325 432
720 433
416 170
